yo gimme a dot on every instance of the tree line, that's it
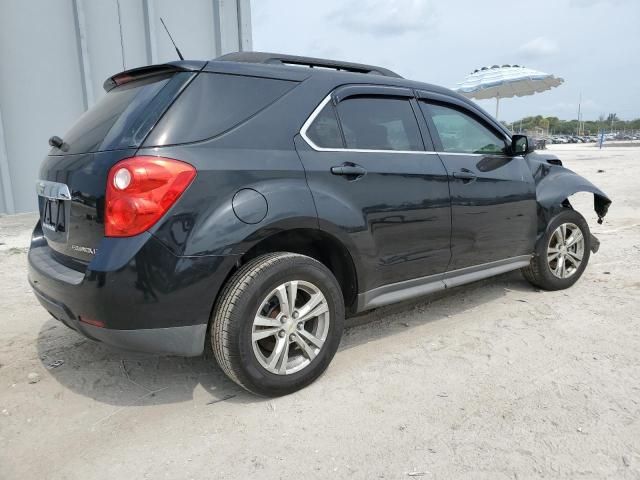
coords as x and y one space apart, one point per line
555 126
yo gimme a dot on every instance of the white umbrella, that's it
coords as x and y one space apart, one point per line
505 81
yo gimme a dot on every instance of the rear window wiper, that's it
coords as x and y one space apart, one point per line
57 142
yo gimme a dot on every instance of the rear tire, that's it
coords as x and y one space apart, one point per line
277 323
562 253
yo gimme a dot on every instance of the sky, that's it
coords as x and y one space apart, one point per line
594 45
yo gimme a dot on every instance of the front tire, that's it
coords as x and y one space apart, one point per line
562 253
277 323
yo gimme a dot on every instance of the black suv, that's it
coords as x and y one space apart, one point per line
251 202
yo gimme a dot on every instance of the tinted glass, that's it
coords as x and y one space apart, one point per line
214 103
324 131
378 123
460 133
120 119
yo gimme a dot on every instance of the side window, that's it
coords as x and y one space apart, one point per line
214 103
460 133
379 123
324 131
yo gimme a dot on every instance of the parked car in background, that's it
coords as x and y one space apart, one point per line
538 143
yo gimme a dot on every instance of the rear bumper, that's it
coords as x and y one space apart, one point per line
187 341
149 300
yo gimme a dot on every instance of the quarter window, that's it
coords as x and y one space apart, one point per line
460 133
379 123
214 103
324 131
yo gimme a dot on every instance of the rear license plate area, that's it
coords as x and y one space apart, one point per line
54 216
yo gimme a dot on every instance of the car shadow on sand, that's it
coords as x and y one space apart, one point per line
124 378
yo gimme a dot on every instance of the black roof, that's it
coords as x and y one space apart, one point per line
311 62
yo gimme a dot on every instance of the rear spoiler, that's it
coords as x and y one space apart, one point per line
151 70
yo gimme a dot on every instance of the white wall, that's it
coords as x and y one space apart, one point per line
55 55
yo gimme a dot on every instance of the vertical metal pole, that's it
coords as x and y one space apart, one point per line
217 33
497 106
244 25
83 53
121 36
150 20
5 174
579 105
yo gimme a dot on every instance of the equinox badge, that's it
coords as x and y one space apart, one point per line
78 248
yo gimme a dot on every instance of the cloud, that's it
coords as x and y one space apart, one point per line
385 17
538 47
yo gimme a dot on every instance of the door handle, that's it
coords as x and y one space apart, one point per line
349 170
465 175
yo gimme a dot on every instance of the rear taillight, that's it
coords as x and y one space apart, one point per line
140 190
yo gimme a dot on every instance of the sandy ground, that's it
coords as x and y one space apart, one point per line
494 380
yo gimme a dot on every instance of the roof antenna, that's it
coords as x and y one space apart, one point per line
171 38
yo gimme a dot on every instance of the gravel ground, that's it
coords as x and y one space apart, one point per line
494 380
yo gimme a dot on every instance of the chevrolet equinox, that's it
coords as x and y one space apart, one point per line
249 203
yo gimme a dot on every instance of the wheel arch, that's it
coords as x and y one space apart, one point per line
555 184
313 242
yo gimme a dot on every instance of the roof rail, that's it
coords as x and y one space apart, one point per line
283 59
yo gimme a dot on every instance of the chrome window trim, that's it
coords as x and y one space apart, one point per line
316 112
327 99
488 154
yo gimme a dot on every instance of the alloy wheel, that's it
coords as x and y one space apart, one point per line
290 327
565 250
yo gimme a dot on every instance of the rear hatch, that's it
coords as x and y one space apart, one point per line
72 185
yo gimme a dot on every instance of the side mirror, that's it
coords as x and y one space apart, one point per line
519 144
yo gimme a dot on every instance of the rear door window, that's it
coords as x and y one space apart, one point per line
213 104
379 123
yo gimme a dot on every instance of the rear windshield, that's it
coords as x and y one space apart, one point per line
123 117
213 104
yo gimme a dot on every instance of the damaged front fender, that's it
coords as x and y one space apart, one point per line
555 184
